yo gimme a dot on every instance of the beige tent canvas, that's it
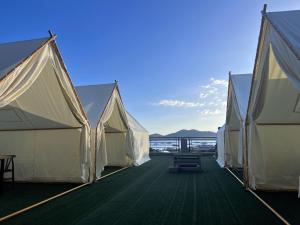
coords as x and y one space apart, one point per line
221 146
237 102
41 119
113 133
139 141
273 118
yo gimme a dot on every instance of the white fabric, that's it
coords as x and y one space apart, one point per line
118 140
140 140
238 96
221 146
35 97
13 53
273 116
241 84
94 99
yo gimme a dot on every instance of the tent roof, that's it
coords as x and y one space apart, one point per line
287 23
94 99
13 53
241 85
134 124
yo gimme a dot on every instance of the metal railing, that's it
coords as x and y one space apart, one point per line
183 144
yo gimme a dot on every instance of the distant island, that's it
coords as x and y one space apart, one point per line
187 133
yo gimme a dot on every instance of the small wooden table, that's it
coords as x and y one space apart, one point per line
5 161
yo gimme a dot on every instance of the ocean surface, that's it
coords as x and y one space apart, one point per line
171 145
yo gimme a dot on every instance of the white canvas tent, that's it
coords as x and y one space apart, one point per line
112 139
273 118
41 119
237 102
140 140
221 146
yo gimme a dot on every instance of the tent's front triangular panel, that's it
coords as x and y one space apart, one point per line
42 106
40 119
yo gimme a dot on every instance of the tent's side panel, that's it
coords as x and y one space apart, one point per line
140 147
221 146
233 149
275 162
140 141
44 155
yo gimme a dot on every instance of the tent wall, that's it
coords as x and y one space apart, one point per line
141 147
221 146
237 101
139 139
232 136
273 121
232 149
274 156
44 155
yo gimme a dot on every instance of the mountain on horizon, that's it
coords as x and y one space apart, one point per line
187 133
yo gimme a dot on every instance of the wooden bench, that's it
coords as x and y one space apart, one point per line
186 162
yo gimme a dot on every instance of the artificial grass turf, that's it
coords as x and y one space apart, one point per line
150 195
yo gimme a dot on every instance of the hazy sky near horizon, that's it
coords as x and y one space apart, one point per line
171 57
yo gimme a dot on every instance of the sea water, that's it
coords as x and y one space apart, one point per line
169 145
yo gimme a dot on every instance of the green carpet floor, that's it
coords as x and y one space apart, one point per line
150 195
286 204
26 194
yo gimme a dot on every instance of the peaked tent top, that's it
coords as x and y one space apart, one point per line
287 24
137 126
94 99
13 53
241 84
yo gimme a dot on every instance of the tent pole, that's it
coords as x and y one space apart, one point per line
50 33
265 8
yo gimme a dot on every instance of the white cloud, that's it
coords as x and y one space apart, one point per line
177 103
208 112
211 101
223 83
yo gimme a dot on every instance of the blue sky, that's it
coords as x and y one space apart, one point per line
171 57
